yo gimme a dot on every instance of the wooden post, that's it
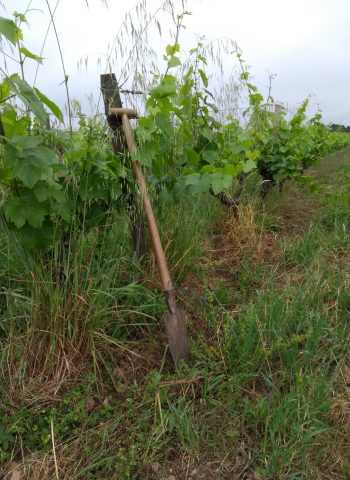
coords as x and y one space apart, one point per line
111 98
278 109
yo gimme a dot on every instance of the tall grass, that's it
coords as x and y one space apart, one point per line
61 304
186 228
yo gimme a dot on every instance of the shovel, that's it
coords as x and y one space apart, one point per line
175 320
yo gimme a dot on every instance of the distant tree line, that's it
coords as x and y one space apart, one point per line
339 128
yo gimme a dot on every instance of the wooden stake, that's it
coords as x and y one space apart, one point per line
111 98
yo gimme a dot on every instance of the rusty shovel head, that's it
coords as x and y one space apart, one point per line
175 325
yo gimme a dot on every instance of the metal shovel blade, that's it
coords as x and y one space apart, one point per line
175 325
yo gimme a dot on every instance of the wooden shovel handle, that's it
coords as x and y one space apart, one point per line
154 233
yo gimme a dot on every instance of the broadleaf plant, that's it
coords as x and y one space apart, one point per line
52 182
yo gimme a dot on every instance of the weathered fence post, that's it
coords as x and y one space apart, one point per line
111 98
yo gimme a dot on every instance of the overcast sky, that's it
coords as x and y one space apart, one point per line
305 42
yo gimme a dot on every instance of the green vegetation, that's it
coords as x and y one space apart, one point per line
87 384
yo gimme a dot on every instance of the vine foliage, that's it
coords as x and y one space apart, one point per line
54 181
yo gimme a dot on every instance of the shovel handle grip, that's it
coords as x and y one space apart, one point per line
154 233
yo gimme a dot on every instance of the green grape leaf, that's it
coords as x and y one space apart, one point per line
174 62
41 191
203 77
253 154
31 55
202 185
208 169
208 133
163 122
252 87
15 212
28 96
220 182
32 165
192 157
166 89
46 156
4 91
9 30
248 166
172 49
12 125
27 142
244 76
256 99
37 213
230 169
210 156
50 104
36 238
44 190
26 208
8 120
192 178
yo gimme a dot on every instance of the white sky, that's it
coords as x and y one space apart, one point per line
305 42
